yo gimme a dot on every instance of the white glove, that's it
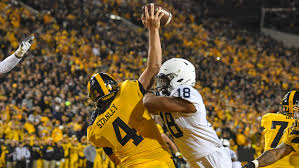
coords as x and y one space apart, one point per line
23 48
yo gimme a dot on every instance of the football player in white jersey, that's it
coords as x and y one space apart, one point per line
182 109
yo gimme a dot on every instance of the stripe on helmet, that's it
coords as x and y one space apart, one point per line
291 103
102 84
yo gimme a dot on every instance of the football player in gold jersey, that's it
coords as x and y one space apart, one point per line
290 142
120 124
274 125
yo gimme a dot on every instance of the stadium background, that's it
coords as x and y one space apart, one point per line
242 73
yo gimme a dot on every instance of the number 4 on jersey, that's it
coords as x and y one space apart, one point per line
131 132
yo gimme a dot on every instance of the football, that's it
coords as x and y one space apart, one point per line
166 18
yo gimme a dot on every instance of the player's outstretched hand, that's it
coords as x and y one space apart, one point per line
249 165
23 48
150 19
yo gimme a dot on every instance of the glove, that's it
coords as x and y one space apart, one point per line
23 48
249 165
180 159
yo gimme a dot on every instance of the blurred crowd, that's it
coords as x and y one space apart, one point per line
44 105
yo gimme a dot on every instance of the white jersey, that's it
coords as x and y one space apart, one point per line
192 132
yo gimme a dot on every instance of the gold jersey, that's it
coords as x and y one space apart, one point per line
274 125
291 136
128 129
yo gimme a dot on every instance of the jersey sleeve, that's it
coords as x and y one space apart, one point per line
9 63
141 88
263 122
266 121
187 93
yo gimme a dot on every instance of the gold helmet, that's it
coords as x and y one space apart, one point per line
290 104
102 88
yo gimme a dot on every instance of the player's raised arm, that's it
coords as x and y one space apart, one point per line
154 59
10 62
167 104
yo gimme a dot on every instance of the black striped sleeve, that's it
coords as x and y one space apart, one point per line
141 88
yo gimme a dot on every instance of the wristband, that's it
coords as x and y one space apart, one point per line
17 56
256 163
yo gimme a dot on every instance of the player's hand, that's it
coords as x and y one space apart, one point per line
249 165
150 19
23 48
